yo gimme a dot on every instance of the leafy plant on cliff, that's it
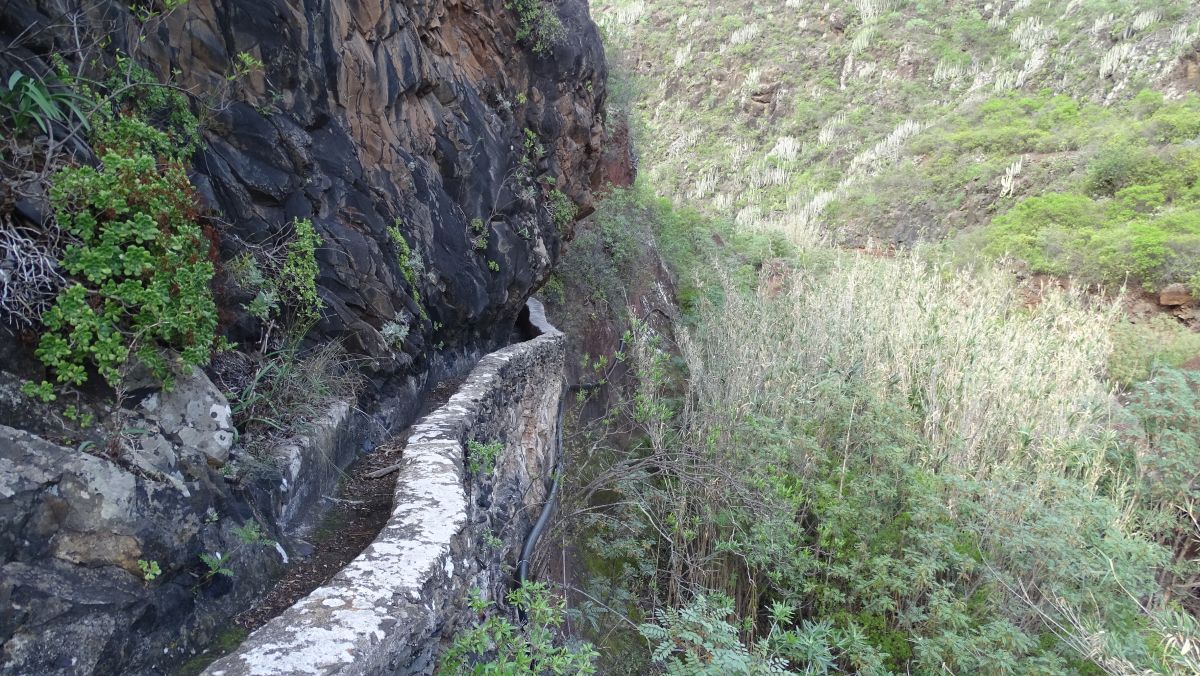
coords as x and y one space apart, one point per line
216 564
25 99
283 279
298 277
409 262
139 262
481 457
562 210
538 25
498 646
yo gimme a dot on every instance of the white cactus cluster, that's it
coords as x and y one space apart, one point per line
786 148
801 223
1184 35
683 55
622 15
749 216
1008 182
877 156
831 128
863 38
1033 63
704 184
1031 33
870 10
1115 58
682 142
1146 19
765 175
1101 26
745 34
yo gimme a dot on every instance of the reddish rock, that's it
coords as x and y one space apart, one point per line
1174 294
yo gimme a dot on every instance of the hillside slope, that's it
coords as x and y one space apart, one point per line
338 204
899 122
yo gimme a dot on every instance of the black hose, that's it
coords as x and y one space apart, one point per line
535 534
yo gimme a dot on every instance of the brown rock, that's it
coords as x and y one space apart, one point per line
97 549
1174 294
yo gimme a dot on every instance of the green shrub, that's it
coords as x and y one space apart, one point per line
1167 406
298 276
1157 341
1176 121
481 457
1136 236
1047 231
139 261
409 262
538 25
562 210
497 646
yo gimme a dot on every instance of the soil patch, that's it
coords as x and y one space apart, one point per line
360 510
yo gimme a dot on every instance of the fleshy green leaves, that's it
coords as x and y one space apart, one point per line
140 263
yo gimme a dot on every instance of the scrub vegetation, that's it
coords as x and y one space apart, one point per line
911 419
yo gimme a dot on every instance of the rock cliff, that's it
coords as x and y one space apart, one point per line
366 115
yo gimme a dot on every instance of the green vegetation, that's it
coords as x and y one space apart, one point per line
140 263
274 394
480 241
498 646
297 282
893 461
409 262
481 457
1136 215
1157 341
251 533
216 564
226 642
562 210
25 100
129 257
908 484
538 25
822 135
150 569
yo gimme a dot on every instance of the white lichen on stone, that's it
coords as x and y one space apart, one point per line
390 601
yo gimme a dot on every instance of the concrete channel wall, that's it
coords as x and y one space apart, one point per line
450 530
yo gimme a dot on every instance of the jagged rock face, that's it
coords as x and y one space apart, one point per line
368 114
378 112
73 528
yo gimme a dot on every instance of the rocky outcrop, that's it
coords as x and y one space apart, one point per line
370 114
367 115
451 530
1174 295
80 532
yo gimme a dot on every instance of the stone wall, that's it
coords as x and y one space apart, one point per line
387 611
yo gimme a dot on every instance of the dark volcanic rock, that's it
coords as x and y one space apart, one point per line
368 114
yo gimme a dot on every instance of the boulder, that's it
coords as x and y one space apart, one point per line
1173 295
